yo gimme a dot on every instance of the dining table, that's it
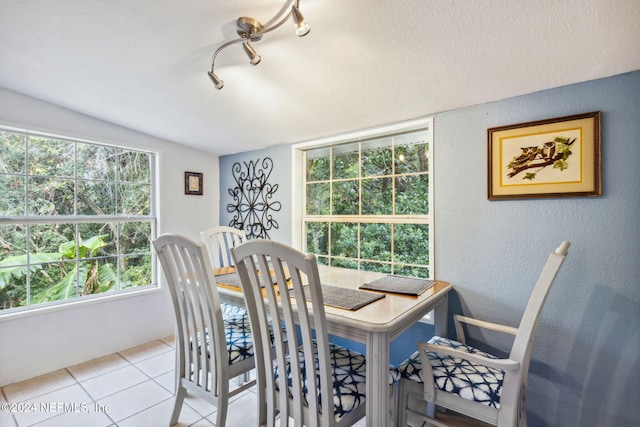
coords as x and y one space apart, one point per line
375 324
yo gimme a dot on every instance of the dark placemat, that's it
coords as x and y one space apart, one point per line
399 285
348 299
231 279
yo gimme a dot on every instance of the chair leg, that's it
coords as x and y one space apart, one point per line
243 379
181 393
221 415
423 413
222 403
393 410
401 408
431 410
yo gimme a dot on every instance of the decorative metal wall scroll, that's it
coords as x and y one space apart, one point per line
253 204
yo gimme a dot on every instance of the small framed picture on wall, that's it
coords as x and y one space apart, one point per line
193 183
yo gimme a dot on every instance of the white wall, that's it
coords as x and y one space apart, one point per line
52 339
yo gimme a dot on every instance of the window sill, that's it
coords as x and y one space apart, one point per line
71 305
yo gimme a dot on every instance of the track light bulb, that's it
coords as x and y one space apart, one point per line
216 80
302 28
251 53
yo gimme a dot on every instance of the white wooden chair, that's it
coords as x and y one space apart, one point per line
210 349
456 376
219 240
274 278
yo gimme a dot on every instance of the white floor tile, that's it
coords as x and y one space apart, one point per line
202 406
168 381
91 418
6 420
6 416
114 381
242 411
39 385
203 423
133 400
145 351
96 367
160 414
158 365
70 399
170 340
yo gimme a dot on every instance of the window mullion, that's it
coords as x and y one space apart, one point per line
406 197
358 226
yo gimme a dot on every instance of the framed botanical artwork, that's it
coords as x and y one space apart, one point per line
548 158
193 183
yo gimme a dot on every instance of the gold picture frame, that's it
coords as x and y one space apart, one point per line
193 183
557 157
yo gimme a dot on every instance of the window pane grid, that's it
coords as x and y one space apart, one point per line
378 196
76 220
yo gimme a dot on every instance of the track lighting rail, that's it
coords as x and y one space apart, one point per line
252 30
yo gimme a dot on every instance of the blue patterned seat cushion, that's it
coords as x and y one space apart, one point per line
230 310
238 336
469 380
349 373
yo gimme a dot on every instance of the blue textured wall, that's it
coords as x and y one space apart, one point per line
280 175
585 368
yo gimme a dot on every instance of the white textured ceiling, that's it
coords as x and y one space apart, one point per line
143 64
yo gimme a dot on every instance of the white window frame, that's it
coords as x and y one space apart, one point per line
298 173
9 314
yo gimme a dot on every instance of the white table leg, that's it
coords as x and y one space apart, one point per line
377 380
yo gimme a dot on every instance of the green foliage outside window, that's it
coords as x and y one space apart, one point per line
367 204
75 219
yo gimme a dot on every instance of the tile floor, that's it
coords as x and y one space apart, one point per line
132 388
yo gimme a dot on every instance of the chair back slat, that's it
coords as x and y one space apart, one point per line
277 282
197 308
219 241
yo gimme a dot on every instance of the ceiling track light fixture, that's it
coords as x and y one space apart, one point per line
252 30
